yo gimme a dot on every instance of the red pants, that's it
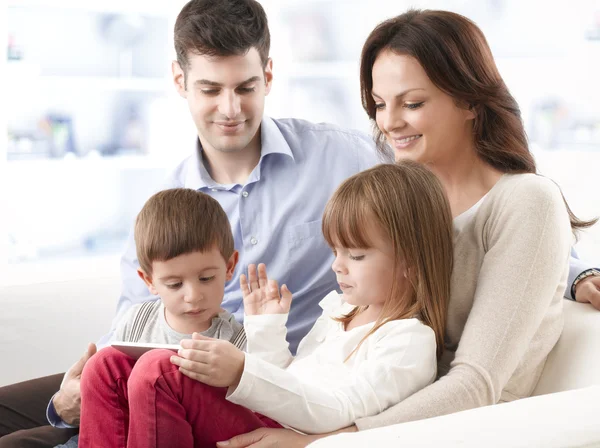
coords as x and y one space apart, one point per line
148 403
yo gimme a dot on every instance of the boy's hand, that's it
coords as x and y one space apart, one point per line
211 361
261 295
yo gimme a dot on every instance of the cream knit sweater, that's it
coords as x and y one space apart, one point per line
505 314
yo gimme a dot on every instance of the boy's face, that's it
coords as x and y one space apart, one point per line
191 286
226 97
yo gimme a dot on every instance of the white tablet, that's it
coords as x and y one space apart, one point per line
137 349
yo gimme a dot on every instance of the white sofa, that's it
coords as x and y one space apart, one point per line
45 327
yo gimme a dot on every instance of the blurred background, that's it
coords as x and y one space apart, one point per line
92 123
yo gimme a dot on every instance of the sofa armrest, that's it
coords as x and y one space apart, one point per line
565 419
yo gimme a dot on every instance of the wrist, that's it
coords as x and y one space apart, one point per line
238 373
58 403
579 279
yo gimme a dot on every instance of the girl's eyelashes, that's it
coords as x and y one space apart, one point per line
356 257
174 285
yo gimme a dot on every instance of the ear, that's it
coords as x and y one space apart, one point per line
268 76
231 264
470 112
148 281
179 79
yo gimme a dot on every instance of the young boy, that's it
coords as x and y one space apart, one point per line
186 255
185 251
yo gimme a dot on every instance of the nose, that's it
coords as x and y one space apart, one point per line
339 266
230 104
193 294
392 119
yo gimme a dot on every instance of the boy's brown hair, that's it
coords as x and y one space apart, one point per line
179 221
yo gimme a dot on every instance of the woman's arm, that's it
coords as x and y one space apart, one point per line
528 239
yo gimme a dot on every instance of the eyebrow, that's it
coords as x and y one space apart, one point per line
401 94
206 82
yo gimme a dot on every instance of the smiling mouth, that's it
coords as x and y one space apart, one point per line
194 313
344 285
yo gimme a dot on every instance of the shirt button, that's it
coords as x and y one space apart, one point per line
245 194
254 241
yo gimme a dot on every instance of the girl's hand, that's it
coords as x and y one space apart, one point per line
261 295
211 361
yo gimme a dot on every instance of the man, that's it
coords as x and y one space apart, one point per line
272 177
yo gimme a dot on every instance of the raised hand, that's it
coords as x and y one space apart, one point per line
261 295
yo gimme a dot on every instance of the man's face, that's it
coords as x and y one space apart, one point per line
226 97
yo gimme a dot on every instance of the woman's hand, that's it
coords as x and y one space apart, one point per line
211 361
270 438
261 295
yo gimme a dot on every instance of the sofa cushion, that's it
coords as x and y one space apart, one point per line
575 360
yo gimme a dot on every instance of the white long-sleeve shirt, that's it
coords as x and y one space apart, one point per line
316 391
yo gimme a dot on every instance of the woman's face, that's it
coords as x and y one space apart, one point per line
419 121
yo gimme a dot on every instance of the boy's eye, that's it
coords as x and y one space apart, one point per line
246 89
209 91
174 285
206 279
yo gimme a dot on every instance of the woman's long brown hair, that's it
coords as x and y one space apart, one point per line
408 205
457 58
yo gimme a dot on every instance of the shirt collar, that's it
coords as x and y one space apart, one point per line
272 142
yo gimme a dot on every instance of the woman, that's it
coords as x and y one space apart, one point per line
430 84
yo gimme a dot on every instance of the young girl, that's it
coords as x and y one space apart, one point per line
390 229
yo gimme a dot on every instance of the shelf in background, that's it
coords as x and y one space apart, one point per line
148 7
321 69
120 162
17 71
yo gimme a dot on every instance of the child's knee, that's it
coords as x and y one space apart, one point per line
106 361
151 366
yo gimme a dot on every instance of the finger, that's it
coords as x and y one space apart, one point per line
77 368
262 275
200 337
192 366
244 286
204 345
286 298
195 375
595 299
243 440
252 277
273 290
194 355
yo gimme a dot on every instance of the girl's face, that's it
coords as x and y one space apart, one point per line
365 275
419 121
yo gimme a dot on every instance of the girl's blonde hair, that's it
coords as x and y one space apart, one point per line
409 206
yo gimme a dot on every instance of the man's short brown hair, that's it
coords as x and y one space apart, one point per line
179 221
221 28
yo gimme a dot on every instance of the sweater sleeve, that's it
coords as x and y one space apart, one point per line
527 240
